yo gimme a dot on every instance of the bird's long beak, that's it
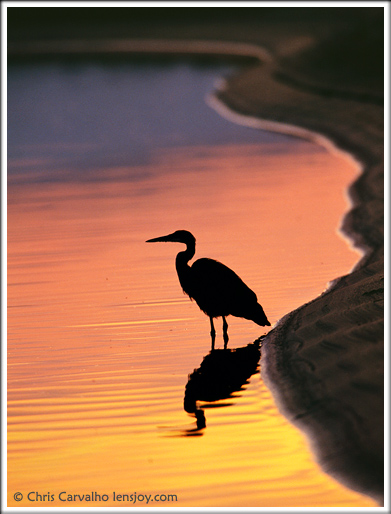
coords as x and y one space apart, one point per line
162 239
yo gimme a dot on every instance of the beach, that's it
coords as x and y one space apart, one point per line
324 361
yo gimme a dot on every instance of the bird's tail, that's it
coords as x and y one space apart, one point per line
259 316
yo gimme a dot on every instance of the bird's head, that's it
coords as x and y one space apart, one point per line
180 236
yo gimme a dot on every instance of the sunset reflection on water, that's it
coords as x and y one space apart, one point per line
101 339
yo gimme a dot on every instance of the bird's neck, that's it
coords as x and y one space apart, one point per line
182 266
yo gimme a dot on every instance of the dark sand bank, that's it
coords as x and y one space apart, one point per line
324 361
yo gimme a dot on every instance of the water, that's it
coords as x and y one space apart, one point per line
101 339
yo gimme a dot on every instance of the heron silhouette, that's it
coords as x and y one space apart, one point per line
217 290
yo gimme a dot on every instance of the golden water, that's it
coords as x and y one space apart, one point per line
101 338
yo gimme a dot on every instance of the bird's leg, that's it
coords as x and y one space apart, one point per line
212 333
225 332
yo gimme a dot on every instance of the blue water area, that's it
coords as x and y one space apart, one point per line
66 121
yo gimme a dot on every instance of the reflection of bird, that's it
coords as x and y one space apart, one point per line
220 375
217 290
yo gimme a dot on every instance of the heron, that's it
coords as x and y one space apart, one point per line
217 290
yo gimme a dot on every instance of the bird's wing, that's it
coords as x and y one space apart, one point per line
218 287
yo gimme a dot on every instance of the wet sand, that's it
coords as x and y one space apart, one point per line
324 361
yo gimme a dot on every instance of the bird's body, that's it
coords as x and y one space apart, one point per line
217 290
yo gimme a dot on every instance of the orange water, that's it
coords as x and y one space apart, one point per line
101 338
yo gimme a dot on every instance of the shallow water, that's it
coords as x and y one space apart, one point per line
101 339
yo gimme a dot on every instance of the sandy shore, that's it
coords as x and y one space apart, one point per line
324 361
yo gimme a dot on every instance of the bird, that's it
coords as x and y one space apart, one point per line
217 290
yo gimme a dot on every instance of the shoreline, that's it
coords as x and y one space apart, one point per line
323 362
139 47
